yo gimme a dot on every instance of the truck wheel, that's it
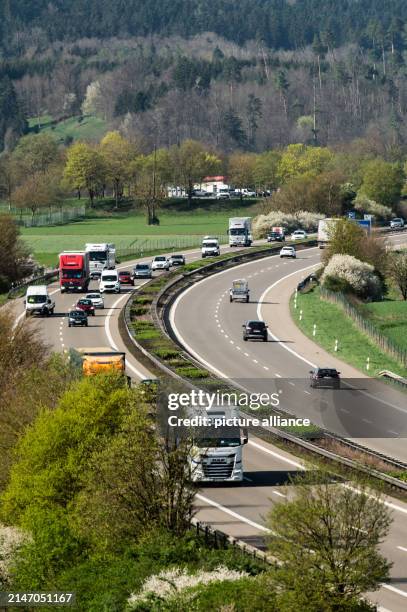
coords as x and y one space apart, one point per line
230 299
245 339
265 339
247 299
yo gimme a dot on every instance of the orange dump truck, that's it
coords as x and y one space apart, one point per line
99 360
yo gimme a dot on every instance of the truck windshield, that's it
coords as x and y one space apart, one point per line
217 442
36 299
71 274
237 231
110 277
211 245
97 255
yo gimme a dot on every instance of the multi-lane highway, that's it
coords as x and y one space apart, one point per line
366 410
211 328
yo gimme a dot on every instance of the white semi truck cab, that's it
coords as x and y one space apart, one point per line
217 451
101 256
240 231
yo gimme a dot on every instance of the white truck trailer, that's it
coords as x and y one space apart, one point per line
101 256
325 227
240 231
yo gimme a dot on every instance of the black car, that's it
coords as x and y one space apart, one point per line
275 237
77 317
177 260
325 377
255 330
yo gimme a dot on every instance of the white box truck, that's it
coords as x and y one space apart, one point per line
38 301
240 231
101 256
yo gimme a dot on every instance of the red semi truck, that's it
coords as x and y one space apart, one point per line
74 273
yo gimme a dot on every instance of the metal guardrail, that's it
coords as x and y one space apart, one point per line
44 279
394 377
220 539
160 309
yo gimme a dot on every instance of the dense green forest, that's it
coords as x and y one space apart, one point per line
248 75
281 24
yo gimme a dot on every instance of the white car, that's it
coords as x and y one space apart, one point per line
160 262
223 195
288 251
299 235
96 298
397 222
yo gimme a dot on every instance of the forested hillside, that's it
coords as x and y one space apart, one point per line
286 24
251 75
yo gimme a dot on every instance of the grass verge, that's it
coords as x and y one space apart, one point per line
390 318
354 347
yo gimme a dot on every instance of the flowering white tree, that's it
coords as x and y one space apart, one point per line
11 539
357 275
302 220
171 582
93 100
365 205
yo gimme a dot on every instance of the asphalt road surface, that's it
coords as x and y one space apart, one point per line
212 329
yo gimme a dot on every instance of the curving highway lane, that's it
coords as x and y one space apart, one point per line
212 331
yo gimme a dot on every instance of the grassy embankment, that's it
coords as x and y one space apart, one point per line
354 346
390 318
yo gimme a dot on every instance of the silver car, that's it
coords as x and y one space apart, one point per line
142 270
96 298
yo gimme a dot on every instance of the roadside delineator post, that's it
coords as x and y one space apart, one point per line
314 330
300 315
336 346
367 363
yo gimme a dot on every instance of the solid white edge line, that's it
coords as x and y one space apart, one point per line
232 513
260 317
222 375
112 342
264 449
293 352
389 587
184 293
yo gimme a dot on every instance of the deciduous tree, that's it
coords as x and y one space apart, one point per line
191 162
117 153
327 538
398 271
382 181
13 253
85 169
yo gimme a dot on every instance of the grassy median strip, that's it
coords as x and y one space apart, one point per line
354 347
